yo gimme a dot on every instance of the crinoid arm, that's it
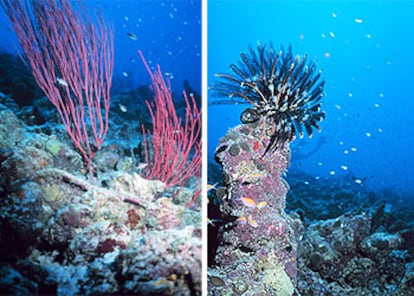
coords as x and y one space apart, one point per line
283 88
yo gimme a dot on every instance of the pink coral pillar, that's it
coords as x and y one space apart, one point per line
261 236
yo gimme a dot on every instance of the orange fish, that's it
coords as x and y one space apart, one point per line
242 220
248 202
261 204
252 222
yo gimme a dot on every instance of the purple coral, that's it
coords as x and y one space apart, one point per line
259 246
257 254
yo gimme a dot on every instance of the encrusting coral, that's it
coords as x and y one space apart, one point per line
73 237
258 244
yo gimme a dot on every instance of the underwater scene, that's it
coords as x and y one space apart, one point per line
100 147
310 169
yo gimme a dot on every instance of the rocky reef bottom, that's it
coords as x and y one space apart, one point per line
350 241
62 233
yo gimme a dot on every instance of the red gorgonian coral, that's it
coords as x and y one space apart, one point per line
175 153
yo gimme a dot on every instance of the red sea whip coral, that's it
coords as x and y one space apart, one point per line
72 62
175 155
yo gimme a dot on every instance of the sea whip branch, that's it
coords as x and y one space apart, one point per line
72 62
176 146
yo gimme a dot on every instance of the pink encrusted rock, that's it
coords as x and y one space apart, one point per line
261 237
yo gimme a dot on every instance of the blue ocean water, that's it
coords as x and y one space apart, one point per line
364 50
167 32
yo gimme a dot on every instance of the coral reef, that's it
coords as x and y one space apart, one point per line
258 239
350 241
336 238
353 241
61 234
342 256
257 253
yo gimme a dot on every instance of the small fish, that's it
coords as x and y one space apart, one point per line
212 187
213 221
344 167
248 202
169 75
358 181
242 220
255 175
132 36
125 74
359 21
159 282
61 82
142 165
252 222
261 204
122 108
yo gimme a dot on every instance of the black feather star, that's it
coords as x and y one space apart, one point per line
284 89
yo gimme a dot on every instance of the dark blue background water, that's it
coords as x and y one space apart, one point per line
365 51
168 33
